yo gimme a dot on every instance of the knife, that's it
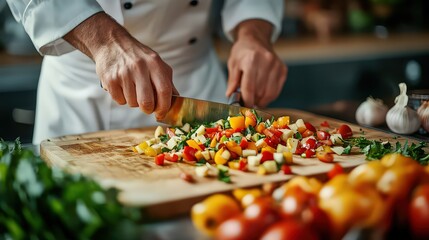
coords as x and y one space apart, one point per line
189 110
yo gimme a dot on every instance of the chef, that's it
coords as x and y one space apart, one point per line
142 52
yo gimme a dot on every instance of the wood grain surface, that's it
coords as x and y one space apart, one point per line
107 156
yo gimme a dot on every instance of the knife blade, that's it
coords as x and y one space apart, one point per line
190 110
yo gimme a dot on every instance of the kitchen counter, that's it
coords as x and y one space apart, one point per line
342 48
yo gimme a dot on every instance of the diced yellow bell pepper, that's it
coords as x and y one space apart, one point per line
252 146
249 121
288 156
237 122
213 143
193 144
234 165
260 128
143 145
268 149
199 155
219 159
261 170
149 151
283 121
234 147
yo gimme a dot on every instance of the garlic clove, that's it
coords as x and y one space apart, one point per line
371 112
423 113
400 118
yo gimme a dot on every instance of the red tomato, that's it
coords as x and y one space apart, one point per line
309 153
318 220
267 156
286 169
418 212
307 133
336 170
322 135
276 132
228 132
345 131
189 153
325 157
295 200
238 228
300 150
171 157
263 211
310 127
289 230
325 124
268 133
159 160
244 143
310 143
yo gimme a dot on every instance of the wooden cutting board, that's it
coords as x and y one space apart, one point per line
107 156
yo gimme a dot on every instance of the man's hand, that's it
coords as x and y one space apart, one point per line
254 66
131 72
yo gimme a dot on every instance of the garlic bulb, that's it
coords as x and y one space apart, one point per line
401 118
372 112
423 112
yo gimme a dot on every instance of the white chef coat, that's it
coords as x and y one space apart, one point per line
70 99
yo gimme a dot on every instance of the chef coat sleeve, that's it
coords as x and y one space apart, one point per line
237 11
47 21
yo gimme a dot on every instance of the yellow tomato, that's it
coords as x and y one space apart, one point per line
397 159
367 174
310 185
354 207
334 186
398 181
208 214
249 121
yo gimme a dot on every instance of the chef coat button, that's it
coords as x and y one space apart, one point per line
192 40
194 3
128 5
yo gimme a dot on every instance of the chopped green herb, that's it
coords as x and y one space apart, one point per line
223 174
164 138
250 130
236 139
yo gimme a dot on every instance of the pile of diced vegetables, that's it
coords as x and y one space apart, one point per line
246 143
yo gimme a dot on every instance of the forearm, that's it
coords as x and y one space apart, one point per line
256 29
96 33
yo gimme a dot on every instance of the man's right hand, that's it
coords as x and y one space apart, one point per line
131 72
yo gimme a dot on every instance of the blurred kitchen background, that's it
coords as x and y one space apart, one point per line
338 52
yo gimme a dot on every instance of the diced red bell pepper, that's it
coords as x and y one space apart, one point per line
266 156
189 153
159 159
242 165
272 141
228 132
310 127
244 143
212 130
